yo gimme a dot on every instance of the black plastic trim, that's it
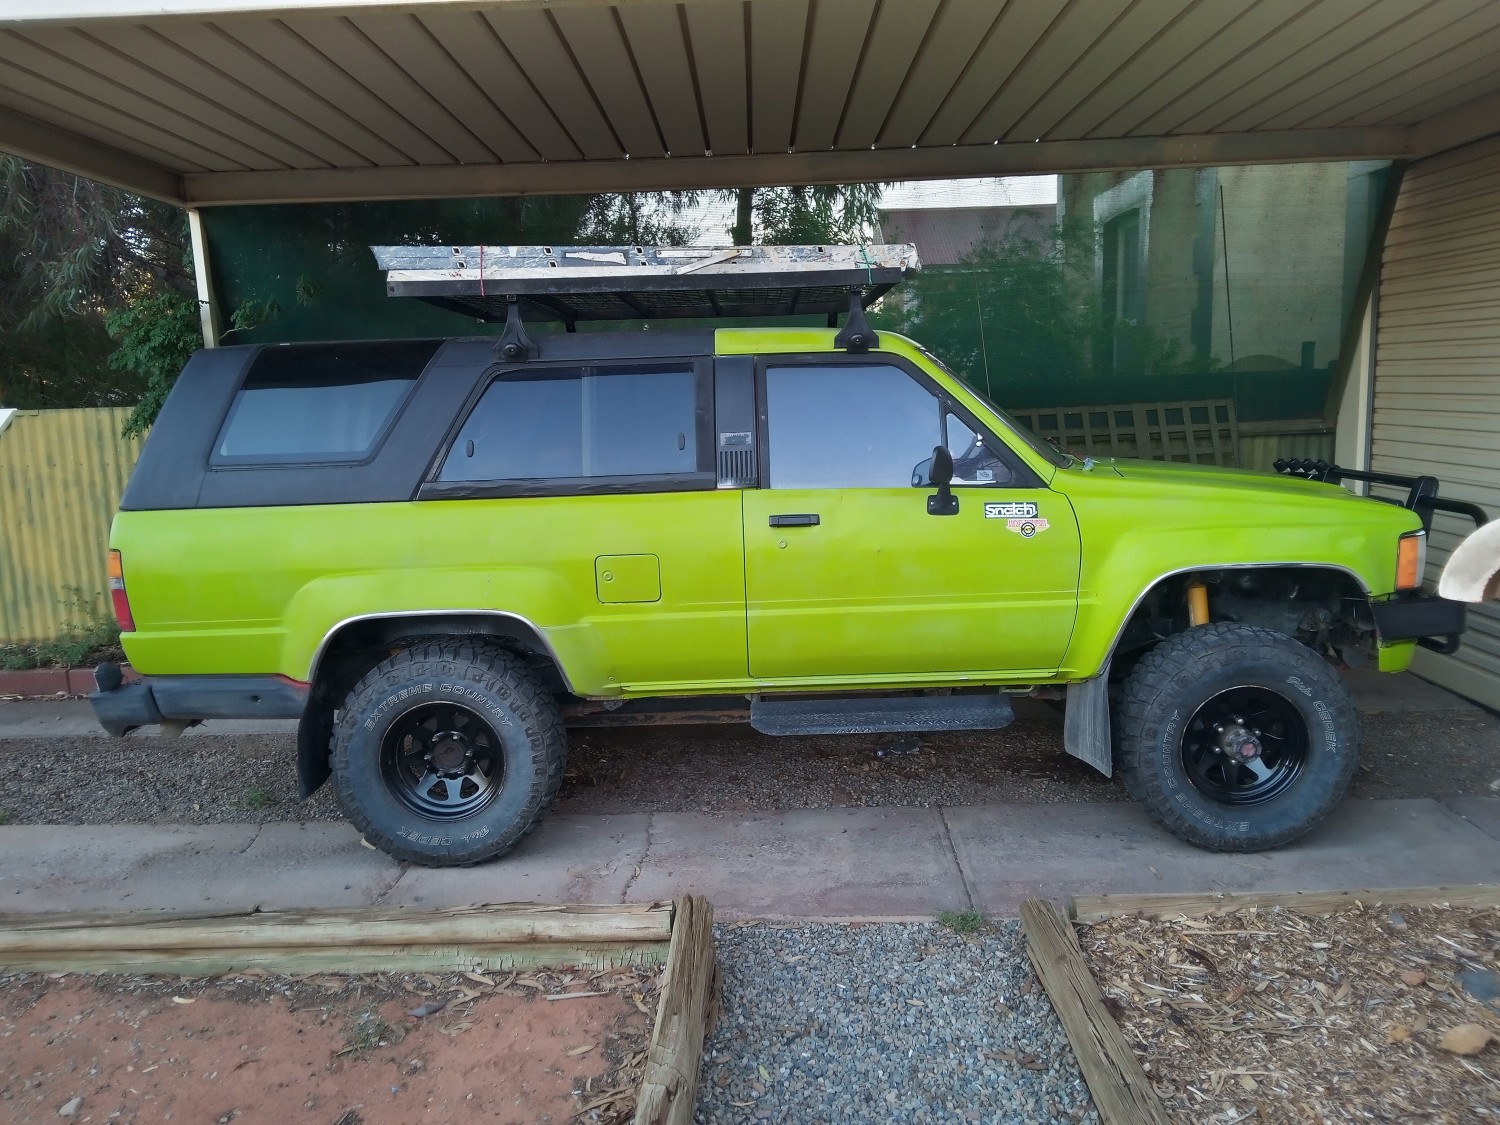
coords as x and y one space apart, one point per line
124 708
1419 616
228 697
567 486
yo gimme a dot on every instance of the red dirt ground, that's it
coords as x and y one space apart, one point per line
325 1050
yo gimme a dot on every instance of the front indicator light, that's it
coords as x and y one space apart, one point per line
117 596
1411 560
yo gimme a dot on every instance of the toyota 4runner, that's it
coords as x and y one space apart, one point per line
430 551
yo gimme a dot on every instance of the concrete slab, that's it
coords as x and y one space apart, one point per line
838 863
291 866
1012 852
589 859
867 862
1482 812
1376 692
127 867
74 718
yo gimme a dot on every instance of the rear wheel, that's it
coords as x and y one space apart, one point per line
448 754
1236 738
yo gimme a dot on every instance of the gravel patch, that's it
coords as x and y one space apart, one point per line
227 779
909 1023
202 779
733 768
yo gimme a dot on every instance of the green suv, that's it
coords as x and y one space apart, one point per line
431 552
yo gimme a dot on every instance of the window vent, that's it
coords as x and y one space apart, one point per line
736 468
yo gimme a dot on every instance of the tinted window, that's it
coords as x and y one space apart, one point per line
327 402
850 426
637 421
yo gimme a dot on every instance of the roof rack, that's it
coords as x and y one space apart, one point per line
581 283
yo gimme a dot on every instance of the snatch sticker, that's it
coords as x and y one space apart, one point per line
1026 529
1010 510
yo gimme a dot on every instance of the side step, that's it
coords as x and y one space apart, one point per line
873 715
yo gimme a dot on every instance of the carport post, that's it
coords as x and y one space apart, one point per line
208 308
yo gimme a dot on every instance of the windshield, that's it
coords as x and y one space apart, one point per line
1053 455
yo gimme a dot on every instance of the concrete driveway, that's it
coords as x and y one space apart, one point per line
885 863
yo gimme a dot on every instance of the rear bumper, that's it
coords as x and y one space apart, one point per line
122 708
1433 622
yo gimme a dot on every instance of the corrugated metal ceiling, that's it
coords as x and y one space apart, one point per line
218 102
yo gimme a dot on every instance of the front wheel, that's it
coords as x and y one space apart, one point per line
1236 738
448 754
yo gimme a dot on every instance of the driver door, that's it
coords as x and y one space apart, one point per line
846 572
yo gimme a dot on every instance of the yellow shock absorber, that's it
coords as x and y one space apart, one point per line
1197 603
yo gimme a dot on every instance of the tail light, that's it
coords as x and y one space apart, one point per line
117 596
1411 560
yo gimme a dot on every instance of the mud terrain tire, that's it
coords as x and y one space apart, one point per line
447 754
1196 697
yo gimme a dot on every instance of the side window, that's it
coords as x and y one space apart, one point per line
973 463
318 404
864 425
562 423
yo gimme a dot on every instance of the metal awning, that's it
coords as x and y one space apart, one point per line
209 101
579 283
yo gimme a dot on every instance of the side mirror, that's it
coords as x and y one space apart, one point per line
943 503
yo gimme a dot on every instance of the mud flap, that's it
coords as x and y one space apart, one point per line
1086 732
314 736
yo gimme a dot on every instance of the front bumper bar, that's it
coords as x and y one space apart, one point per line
120 708
1433 622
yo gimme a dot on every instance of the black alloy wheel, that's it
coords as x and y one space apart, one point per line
442 761
1234 737
1244 746
447 753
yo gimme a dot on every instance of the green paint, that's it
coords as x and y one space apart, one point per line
694 592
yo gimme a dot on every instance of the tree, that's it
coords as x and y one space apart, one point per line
71 251
797 216
98 302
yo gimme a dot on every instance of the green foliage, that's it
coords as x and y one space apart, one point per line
71 251
5 817
308 290
964 922
154 337
637 218
92 636
98 304
800 216
257 797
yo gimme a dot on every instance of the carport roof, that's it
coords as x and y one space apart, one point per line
205 101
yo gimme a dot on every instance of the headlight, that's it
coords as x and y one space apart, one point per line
1411 560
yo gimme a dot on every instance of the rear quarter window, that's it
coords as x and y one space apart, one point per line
325 403
583 424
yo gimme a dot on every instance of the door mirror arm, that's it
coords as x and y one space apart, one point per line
943 503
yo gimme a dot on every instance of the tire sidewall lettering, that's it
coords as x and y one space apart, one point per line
1169 686
487 691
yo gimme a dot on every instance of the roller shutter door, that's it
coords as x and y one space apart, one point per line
1437 369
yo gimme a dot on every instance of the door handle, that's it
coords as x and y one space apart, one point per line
808 519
